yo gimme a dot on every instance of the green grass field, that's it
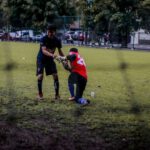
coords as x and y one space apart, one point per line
118 117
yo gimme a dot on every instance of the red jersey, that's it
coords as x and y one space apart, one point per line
78 65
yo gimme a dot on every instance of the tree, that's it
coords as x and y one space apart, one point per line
119 17
144 14
124 19
35 13
1 14
17 12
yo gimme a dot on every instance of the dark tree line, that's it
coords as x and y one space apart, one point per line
33 13
118 17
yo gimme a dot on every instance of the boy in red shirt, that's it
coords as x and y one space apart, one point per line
77 76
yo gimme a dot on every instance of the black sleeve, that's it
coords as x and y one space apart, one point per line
43 41
71 57
59 45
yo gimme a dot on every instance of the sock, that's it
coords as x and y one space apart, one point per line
56 86
40 86
71 89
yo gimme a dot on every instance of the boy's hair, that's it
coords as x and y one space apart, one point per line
51 27
73 50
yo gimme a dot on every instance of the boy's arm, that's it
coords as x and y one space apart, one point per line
65 58
44 49
46 52
71 57
60 52
66 65
64 61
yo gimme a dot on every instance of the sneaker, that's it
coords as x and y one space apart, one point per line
40 97
57 97
71 98
86 103
83 101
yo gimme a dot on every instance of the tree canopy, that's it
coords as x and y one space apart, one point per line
115 16
34 13
119 17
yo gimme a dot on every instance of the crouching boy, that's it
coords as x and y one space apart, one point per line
78 75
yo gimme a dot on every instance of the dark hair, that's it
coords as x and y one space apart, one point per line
73 50
51 27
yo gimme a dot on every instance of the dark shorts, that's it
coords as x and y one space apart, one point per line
80 81
75 78
49 66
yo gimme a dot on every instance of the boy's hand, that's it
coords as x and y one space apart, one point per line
65 65
55 56
60 58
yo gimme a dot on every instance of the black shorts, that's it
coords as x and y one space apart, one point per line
80 81
49 66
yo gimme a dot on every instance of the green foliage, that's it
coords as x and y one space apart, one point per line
35 13
144 14
16 13
117 17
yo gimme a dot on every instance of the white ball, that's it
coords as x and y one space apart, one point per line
92 94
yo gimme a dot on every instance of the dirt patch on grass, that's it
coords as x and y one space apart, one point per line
15 138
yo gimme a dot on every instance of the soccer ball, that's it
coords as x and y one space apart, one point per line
92 94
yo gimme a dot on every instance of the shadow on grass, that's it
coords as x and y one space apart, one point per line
13 137
31 128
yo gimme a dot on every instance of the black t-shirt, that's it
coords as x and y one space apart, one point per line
49 43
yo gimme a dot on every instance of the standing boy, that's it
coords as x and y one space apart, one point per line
45 60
